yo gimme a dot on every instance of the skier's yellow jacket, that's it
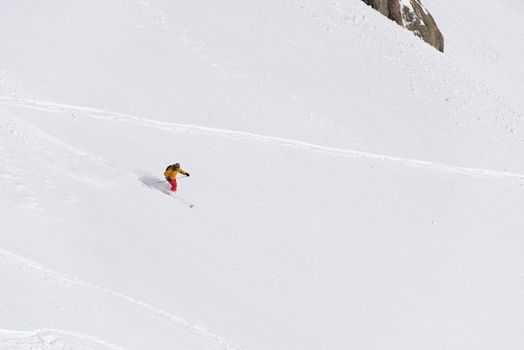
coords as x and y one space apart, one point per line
171 172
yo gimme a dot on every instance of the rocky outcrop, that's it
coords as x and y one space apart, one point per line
413 16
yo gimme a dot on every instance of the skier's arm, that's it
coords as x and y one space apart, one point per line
184 172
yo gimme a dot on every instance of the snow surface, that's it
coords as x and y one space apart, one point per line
353 187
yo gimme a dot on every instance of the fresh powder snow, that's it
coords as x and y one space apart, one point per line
353 187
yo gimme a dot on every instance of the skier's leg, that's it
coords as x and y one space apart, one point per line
173 185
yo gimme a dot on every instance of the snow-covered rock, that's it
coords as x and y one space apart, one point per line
412 15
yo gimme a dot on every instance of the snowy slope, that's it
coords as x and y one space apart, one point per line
325 72
487 38
348 194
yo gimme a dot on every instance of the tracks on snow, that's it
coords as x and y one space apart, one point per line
101 114
50 273
46 338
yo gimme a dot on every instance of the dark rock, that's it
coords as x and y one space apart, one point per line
413 16
379 5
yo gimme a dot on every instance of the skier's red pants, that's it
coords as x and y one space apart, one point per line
173 185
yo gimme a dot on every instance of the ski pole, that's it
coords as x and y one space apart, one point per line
157 182
152 183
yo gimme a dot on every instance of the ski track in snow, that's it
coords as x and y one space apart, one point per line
51 339
56 275
101 114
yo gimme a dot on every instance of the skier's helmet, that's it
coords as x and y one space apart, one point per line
177 165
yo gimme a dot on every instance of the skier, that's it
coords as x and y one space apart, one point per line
171 172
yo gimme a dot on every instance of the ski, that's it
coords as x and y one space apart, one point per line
183 201
155 184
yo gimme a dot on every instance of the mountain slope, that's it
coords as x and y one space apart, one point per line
330 73
486 37
339 202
